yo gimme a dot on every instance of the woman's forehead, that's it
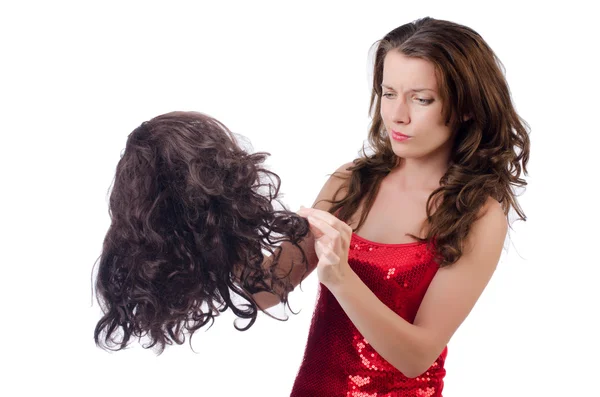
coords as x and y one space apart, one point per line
408 73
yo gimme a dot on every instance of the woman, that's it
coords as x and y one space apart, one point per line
404 239
408 237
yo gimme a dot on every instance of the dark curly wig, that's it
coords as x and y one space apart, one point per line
491 149
192 218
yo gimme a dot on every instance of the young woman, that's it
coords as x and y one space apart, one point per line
404 239
408 237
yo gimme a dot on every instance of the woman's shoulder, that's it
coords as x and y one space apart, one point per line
335 187
345 169
491 217
491 209
340 175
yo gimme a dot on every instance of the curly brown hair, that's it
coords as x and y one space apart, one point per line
491 148
192 215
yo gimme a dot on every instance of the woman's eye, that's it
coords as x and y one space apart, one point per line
424 101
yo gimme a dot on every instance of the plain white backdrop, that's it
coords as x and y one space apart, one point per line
293 77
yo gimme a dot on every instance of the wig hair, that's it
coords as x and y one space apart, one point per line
192 216
491 148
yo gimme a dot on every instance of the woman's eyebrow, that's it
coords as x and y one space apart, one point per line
413 90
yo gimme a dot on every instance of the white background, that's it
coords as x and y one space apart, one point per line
77 77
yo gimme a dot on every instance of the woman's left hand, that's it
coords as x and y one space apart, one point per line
332 241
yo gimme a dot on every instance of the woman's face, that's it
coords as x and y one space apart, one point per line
411 108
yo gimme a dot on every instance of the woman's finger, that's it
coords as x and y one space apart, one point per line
326 217
328 257
322 225
326 230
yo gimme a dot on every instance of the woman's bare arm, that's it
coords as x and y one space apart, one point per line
291 258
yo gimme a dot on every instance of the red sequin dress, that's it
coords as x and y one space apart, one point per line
338 361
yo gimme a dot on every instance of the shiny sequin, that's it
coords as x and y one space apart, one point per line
360 381
428 392
338 361
390 273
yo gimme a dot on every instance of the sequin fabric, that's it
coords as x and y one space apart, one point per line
338 361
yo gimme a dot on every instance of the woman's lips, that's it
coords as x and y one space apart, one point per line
398 136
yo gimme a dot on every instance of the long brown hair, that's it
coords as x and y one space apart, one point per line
491 148
191 213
